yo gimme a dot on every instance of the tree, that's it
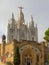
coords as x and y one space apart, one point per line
48 58
46 37
16 56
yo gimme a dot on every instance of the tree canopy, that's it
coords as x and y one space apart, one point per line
46 37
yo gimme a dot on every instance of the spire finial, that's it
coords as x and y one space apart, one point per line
31 18
12 15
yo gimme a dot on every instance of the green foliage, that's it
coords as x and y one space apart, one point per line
46 37
48 58
16 56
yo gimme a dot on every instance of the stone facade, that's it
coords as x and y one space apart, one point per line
30 51
18 30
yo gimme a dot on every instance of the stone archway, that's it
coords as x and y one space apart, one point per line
28 55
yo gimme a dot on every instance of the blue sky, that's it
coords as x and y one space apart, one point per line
39 9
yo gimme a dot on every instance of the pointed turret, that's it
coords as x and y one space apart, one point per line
36 26
12 20
12 15
36 33
11 27
31 22
31 18
20 16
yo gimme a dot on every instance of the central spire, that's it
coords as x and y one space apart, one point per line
20 16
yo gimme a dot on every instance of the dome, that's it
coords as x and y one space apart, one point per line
3 37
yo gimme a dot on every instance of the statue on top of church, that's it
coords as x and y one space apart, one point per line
20 16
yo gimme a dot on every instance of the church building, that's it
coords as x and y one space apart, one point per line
31 52
26 38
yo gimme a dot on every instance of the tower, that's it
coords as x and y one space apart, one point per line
36 33
11 28
3 46
31 22
21 25
31 28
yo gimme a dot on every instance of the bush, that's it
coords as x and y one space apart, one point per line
16 56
